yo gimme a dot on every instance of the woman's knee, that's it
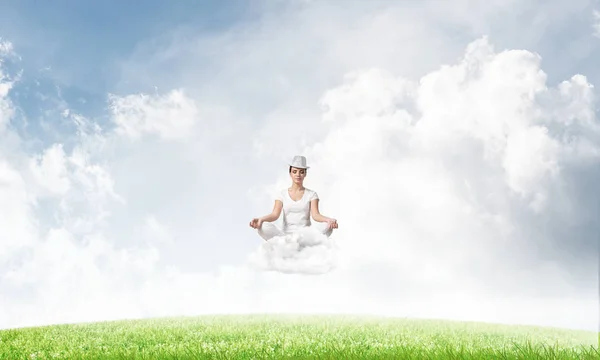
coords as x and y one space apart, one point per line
268 231
323 228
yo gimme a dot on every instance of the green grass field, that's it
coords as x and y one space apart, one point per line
295 337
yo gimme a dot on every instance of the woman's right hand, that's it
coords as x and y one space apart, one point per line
256 223
332 224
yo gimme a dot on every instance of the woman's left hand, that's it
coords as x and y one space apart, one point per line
332 224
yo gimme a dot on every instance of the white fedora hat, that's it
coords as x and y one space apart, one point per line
299 162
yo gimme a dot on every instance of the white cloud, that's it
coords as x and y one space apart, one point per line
155 232
530 158
453 190
304 252
50 170
171 116
79 189
16 222
6 109
6 47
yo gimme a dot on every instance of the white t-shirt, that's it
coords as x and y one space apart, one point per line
296 214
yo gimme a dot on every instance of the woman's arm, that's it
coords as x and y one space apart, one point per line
314 212
274 215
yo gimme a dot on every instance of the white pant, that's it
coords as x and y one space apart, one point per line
269 230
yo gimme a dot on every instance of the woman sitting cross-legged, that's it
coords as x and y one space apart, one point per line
298 204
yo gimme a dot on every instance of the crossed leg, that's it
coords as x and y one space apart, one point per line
322 228
269 230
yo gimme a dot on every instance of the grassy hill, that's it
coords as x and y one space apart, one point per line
295 337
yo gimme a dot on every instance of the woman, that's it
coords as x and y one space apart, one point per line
298 205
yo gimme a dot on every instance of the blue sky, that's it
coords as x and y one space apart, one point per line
82 40
433 129
71 50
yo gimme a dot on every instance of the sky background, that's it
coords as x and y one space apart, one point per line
457 145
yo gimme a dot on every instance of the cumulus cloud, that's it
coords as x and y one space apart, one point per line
467 193
303 252
479 143
78 188
171 116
